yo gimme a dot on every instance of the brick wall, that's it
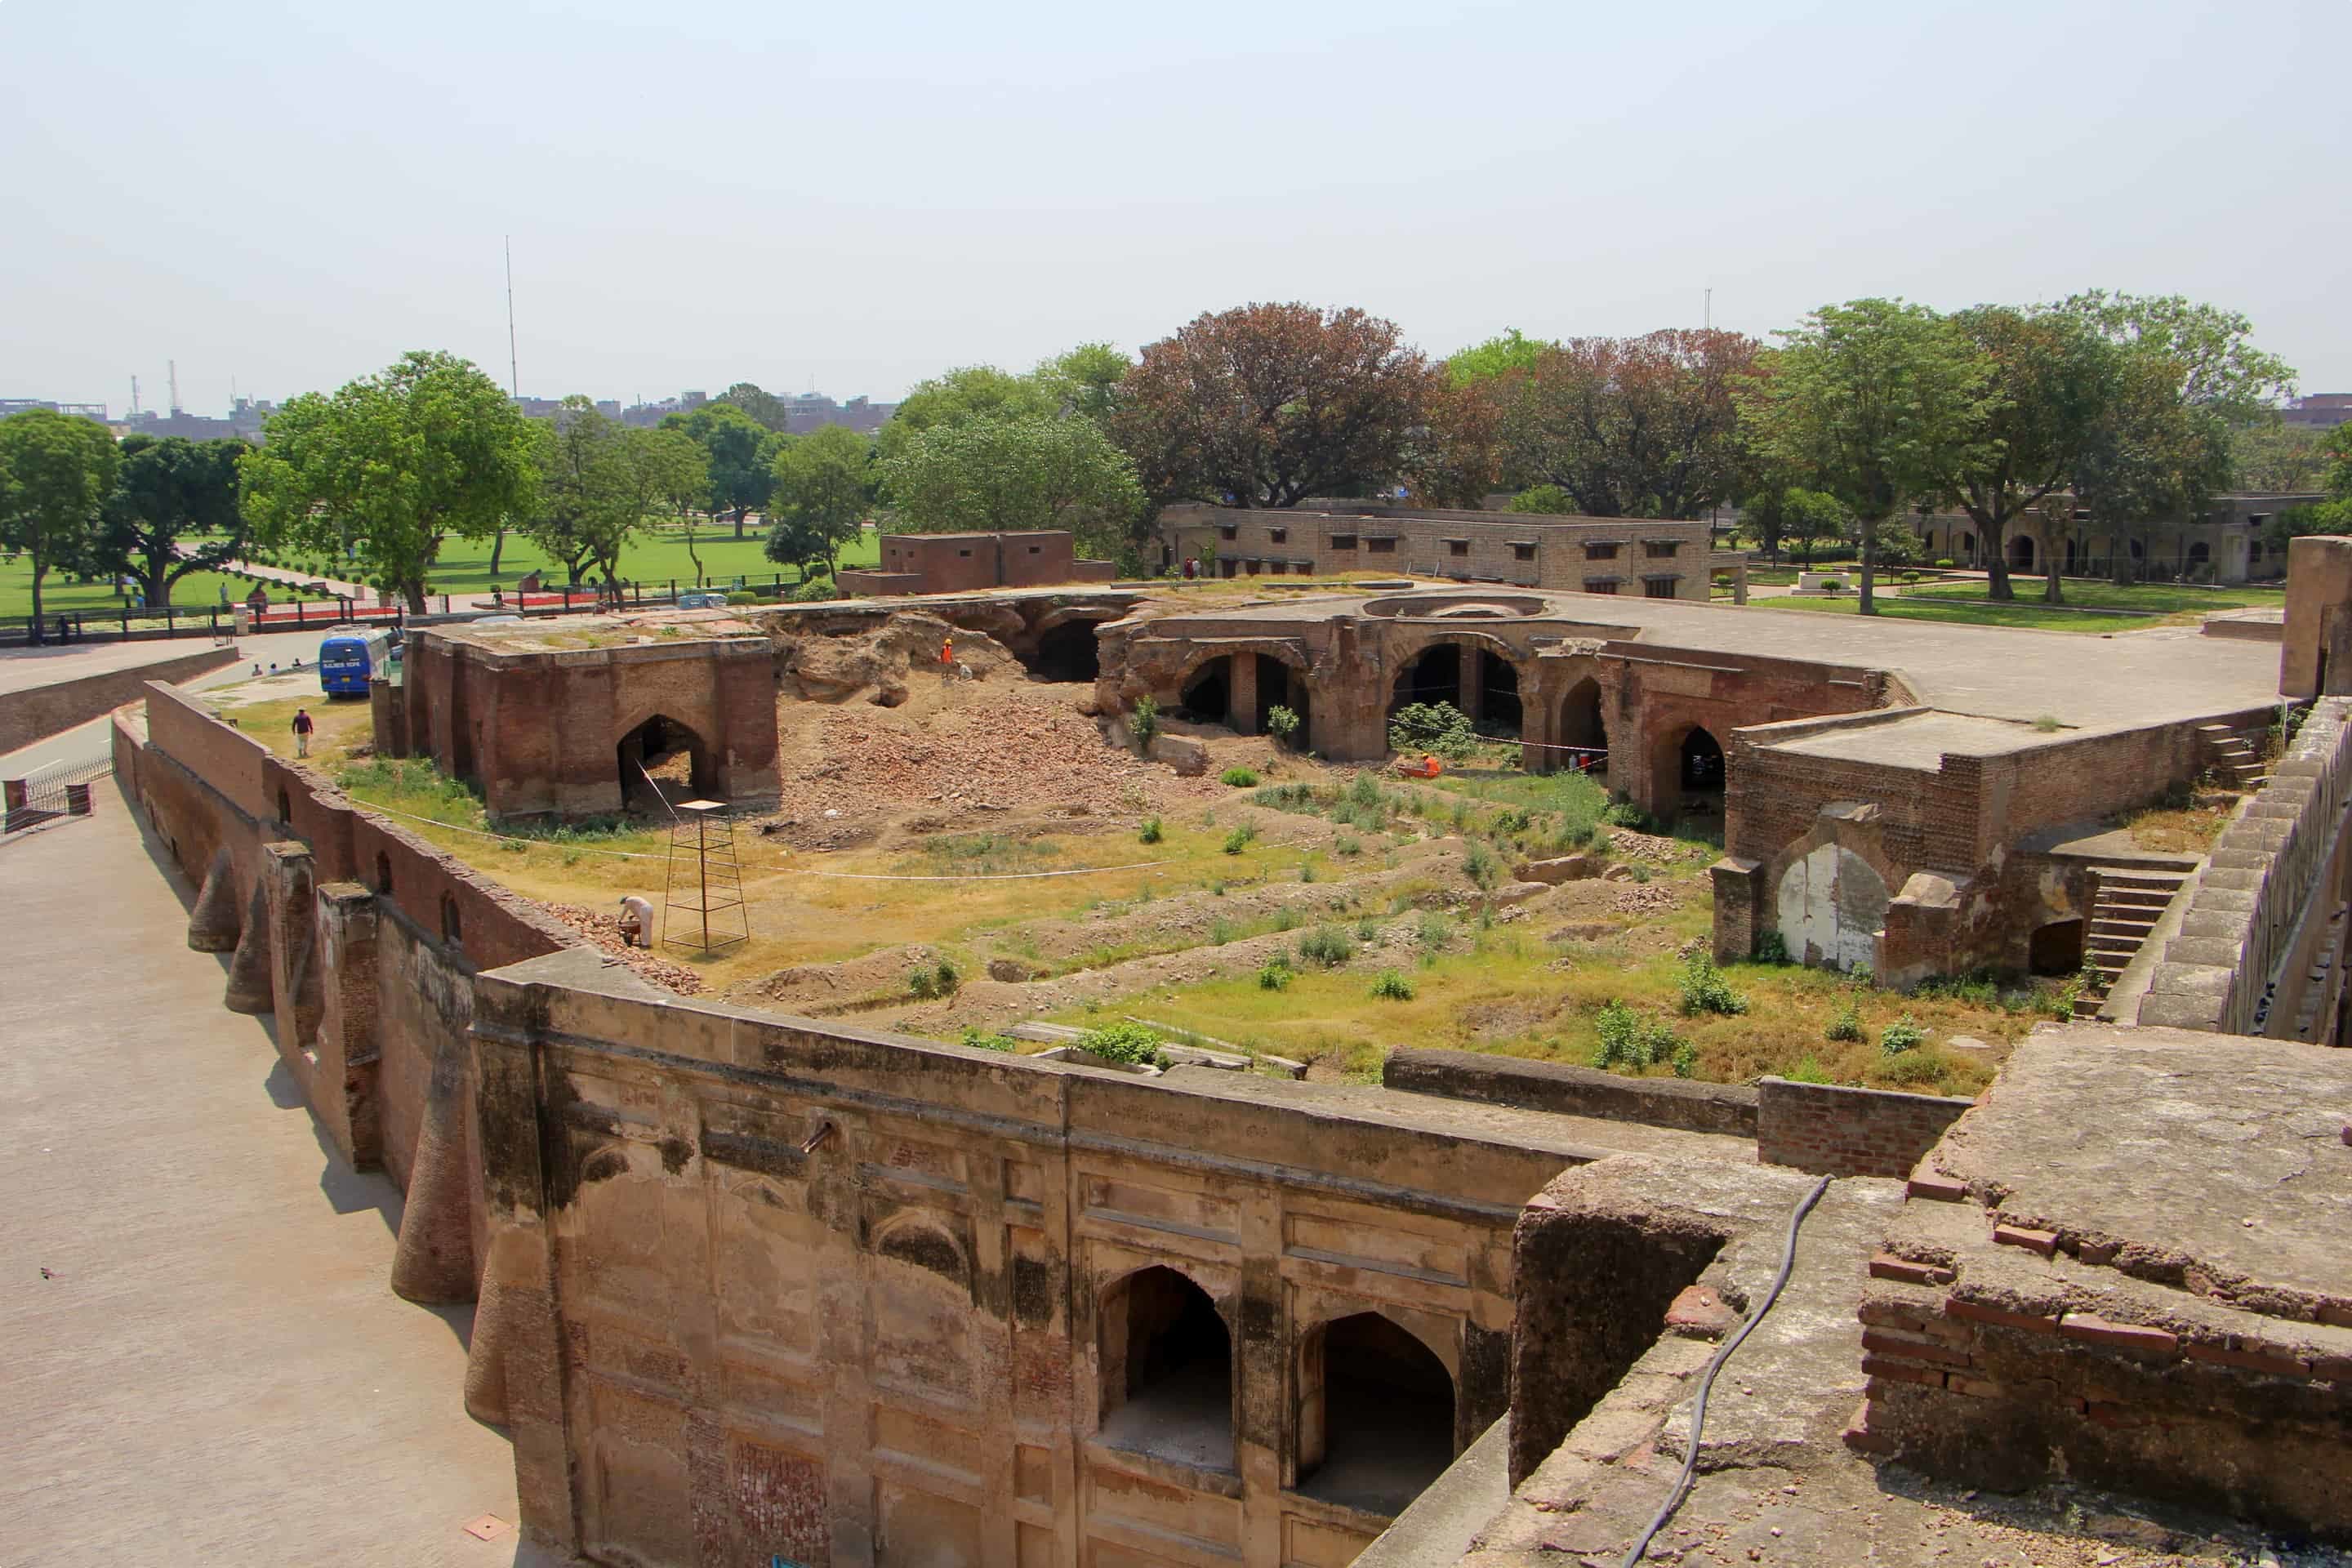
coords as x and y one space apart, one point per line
1483 547
1572 1090
27 715
1834 1129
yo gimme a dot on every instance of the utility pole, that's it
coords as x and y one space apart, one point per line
514 376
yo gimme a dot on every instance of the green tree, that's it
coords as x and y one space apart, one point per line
738 453
972 392
819 497
1510 350
1877 397
2052 381
1026 472
2271 457
577 456
1644 427
1084 381
56 472
668 471
765 408
1543 501
425 448
170 492
2188 380
1268 404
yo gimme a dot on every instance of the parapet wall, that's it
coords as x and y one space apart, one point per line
360 940
1570 1090
2255 923
1836 1130
37 711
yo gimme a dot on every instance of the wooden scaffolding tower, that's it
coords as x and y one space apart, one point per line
705 882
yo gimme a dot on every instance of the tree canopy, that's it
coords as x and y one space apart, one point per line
397 462
1027 471
1267 404
739 453
1876 399
1508 351
171 495
973 392
1084 381
600 482
2051 379
1644 427
56 471
820 483
764 409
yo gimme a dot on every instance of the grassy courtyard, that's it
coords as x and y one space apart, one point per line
2151 598
1912 606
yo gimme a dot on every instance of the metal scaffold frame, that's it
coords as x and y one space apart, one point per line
704 881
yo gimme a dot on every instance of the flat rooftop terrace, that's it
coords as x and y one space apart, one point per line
2123 680
1918 740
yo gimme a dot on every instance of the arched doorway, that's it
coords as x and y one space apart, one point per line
2056 948
1433 676
1699 759
1207 694
661 759
1279 685
1583 727
1167 1369
1067 652
1375 1416
2021 552
1498 692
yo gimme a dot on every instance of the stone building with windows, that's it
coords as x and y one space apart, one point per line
1633 557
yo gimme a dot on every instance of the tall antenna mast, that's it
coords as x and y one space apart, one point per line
135 397
1710 310
514 376
171 369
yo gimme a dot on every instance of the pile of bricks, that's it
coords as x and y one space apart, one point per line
1996 1352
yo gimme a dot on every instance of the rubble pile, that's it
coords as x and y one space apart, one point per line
604 931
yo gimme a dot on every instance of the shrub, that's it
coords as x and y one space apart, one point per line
1431 929
1632 1042
1439 728
1861 976
2047 723
982 1041
1143 722
1344 845
1845 1024
1641 873
743 596
1282 723
812 593
1221 931
1901 1036
1326 945
1685 1058
1306 870
1772 948
931 981
1239 838
1285 919
1390 985
1806 1070
1238 778
1274 974
1152 832
1130 1043
1943 564
1705 990
1367 929
1364 790
1481 867
1625 813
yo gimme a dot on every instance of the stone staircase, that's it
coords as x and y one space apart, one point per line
2235 757
2124 910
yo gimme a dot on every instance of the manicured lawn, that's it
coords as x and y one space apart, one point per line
196 591
2156 598
1908 608
658 557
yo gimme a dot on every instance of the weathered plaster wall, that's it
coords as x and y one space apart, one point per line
765 1286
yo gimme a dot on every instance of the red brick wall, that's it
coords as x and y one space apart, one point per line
1834 1129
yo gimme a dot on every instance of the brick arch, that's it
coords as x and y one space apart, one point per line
921 1241
1383 1393
1407 649
1292 658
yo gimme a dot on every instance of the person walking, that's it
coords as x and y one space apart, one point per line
303 728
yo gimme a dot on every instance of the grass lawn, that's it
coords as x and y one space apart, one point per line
2156 598
1908 608
656 557
196 591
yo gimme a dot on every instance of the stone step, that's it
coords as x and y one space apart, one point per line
2124 940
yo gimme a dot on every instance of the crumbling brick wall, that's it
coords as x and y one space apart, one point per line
1837 1130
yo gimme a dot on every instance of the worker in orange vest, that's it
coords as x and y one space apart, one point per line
947 651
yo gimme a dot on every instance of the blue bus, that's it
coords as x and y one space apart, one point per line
347 657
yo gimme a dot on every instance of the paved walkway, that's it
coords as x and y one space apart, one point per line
37 667
216 1372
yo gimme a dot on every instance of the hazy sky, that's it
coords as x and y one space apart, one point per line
862 195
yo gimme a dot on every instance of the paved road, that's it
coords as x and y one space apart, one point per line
217 1373
44 665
